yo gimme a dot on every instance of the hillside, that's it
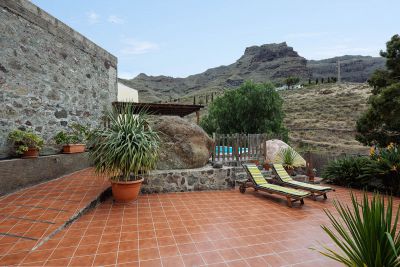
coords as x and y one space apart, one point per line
323 117
269 62
353 68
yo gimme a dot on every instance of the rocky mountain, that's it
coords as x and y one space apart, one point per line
352 68
269 62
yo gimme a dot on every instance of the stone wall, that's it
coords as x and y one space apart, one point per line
50 75
199 179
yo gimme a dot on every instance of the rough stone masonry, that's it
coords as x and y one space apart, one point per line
50 75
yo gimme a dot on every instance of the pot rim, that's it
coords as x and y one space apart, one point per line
74 144
126 182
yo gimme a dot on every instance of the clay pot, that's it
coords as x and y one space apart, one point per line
266 166
31 153
124 192
74 148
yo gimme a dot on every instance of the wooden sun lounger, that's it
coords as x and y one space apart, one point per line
258 182
284 178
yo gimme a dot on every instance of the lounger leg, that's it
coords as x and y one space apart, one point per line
325 196
302 201
289 202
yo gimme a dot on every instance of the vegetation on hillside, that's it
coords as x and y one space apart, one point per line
380 124
253 108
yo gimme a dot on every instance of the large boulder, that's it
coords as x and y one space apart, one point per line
184 144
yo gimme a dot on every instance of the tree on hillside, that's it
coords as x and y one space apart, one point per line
380 124
252 108
291 81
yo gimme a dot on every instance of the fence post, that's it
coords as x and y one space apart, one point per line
214 148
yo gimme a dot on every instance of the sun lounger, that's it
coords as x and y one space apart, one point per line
284 178
258 182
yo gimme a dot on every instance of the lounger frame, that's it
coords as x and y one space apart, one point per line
250 182
314 193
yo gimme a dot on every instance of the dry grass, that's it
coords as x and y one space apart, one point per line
323 117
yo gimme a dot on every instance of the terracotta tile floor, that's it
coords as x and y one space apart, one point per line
218 228
28 217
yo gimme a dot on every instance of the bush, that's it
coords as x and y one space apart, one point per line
347 171
253 108
23 140
385 166
78 134
366 233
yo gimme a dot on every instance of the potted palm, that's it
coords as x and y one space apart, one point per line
125 151
26 143
290 159
74 140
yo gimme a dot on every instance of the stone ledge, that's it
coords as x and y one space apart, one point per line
183 180
16 174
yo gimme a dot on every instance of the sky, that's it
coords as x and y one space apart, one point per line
182 37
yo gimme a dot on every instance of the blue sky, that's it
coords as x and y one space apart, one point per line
183 37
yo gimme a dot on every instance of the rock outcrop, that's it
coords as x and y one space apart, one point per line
184 144
269 62
265 63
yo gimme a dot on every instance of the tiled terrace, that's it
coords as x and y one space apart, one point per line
219 228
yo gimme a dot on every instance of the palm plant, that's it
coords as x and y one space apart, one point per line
289 158
127 148
366 233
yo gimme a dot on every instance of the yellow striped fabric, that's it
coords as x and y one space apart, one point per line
263 183
280 170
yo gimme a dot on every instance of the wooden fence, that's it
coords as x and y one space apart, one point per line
240 147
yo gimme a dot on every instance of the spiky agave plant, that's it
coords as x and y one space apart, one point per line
127 148
289 158
365 233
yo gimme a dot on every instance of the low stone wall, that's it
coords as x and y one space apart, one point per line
16 174
199 179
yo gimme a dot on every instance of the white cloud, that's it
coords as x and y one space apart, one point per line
127 74
135 47
93 17
115 19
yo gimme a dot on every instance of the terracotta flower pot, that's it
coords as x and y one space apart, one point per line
31 153
124 192
74 148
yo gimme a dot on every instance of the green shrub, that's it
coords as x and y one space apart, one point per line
347 171
23 140
365 234
385 166
78 133
252 108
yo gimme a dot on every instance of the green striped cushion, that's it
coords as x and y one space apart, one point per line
286 190
261 182
283 175
311 186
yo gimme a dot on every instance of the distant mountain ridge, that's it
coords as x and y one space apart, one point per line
268 62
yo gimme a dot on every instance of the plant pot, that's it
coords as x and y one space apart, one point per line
124 192
74 148
31 153
266 166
